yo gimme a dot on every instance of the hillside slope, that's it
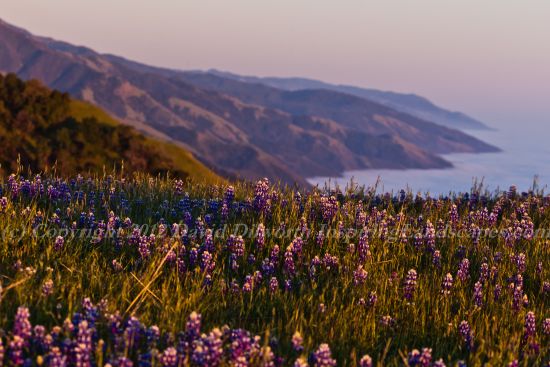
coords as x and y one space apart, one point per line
408 103
231 135
42 128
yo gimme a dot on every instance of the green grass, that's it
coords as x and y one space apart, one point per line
154 291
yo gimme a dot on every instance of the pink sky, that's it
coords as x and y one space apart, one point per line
489 58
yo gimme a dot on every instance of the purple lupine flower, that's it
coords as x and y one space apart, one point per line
178 187
447 284
320 238
207 262
47 288
463 270
58 244
289 265
519 260
546 326
497 292
22 326
418 241
365 361
55 358
248 284
429 237
436 258
260 236
297 341
530 324
478 294
359 275
169 358
517 298
273 284
124 362
83 348
208 350
322 357
143 247
193 326
421 359
410 284
363 246
261 196
15 350
439 363
300 362
484 273
3 204
296 246
466 333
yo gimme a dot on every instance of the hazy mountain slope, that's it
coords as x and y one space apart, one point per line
408 103
236 137
43 128
351 111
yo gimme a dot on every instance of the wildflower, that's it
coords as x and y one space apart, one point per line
530 324
273 285
372 299
22 326
297 341
359 275
517 298
260 236
15 347
365 361
207 351
410 284
300 362
463 270
169 357
447 284
484 273
3 204
363 246
59 242
47 287
478 294
546 326
519 260
322 357
436 258
421 359
466 333
55 358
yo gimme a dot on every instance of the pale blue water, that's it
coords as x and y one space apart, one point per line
525 155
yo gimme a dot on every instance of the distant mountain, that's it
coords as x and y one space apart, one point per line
408 103
352 112
248 138
40 128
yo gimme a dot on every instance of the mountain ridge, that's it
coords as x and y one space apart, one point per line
410 103
235 137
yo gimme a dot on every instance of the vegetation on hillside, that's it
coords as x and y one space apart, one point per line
146 271
40 129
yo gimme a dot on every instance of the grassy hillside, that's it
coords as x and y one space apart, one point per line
43 128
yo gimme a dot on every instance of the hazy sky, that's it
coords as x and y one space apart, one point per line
489 58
